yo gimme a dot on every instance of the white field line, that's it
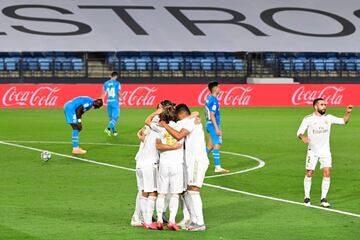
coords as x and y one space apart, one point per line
261 163
205 184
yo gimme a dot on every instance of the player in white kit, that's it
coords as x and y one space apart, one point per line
318 125
196 160
147 159
171 178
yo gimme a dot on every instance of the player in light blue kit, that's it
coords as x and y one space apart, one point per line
74 109
212 111
112 89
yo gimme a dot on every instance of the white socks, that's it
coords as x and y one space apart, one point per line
190 206
325 187
186 213
137 212
160 203
307 186
149 209
143 203
173 207
197 203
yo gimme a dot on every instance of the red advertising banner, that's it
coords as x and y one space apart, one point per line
148 95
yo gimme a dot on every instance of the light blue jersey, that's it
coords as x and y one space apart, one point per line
112 88
212 105
71 106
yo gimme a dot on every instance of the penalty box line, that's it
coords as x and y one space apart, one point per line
205 184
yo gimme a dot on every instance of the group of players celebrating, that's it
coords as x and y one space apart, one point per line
172 161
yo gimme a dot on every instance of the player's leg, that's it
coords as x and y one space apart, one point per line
310 164
150 188
325 186
163 187
136 220
176 187
109 112
195 183
216 142
210 145
114 119
75 140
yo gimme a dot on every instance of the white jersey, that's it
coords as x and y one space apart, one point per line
148 154
173 156
318 131
195 145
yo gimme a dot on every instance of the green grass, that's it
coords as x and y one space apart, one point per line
69 199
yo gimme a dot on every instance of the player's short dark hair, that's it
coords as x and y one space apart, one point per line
212 85
114 74
98 103
182 108
316 100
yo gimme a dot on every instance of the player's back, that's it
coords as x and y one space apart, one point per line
112 87
84 101
195 141
212 105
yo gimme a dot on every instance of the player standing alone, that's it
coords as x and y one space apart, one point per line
318 127
212 108
112 88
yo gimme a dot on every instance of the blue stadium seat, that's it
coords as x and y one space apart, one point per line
30 64
238 64
130 64
350 64
45 63
142 63
195 64
174 64
11 64
2 65
162 64
298 64
330 64
77 64
66 64
319 64
285 64
207 64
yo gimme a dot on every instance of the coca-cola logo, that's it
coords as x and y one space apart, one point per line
331 94
140 96
41 97
235 96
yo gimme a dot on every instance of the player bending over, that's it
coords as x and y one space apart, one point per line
74 109
318 125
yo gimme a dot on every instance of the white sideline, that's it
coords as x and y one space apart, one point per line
205 184
261 163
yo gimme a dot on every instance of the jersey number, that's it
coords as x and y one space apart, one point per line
169 139
111 92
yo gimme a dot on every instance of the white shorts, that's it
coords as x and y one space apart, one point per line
171 178
195 172
147 178
312 160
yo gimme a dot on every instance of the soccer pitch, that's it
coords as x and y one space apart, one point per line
66 198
